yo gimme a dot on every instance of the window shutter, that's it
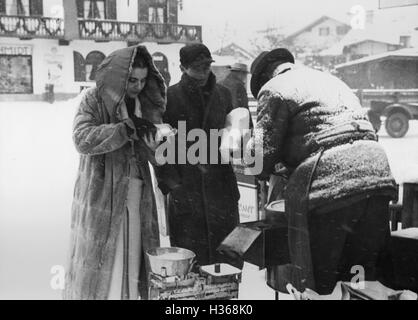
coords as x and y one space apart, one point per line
111 10
173 11
79 67
143 10
2 6
36 8
80 8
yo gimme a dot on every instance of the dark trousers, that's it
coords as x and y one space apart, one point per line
354 236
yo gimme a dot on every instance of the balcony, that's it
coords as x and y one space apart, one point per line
111 30
28 27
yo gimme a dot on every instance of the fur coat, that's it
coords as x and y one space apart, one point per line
105 147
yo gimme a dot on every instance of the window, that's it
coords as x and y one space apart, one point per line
156 14
93 60
405 41
18 74
94 9
161 63
341 30
79 67
157 11
324 31
17 7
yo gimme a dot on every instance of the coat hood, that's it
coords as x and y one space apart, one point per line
112 80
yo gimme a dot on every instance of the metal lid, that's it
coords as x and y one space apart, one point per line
277 206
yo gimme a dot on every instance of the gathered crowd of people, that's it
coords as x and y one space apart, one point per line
309 124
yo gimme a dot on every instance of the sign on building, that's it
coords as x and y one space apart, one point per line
16 69
15 50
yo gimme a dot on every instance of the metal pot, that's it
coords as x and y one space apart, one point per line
170 262
276 212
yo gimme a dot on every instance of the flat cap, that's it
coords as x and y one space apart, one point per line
241 67
195 53
262 61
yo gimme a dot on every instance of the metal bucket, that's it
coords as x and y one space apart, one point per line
170 262
276 212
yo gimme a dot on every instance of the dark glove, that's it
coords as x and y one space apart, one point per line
144 127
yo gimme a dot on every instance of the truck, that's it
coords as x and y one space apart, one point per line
397 106
387 85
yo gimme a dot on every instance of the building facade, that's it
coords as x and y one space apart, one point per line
390 70
368 48
378 36
317 36
60 43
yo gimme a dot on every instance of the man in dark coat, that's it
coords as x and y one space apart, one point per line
340 183
203 200
236 82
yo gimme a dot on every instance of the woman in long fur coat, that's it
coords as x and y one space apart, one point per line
114 218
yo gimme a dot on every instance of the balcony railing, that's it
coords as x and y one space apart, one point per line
31 27
27 27
110 30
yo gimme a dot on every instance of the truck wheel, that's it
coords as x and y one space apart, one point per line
397 125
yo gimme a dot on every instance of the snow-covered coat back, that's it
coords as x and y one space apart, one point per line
303 111
313 124
100 194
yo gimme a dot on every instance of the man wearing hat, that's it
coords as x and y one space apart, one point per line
203 198
339 181
236 82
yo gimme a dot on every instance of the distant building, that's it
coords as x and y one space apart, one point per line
375 38
390 70
227 56
61 42
317 36
238 53
361 43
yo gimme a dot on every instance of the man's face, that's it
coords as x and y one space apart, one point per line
136 82
200 71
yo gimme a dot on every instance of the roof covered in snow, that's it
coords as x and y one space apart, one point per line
381 30
310 26
403 53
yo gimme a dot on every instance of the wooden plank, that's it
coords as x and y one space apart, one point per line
410 206
404 248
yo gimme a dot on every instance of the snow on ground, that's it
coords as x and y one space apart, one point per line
403 154
38 164
37 170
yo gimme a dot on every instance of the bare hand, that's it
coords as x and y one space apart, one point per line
151 142
281 170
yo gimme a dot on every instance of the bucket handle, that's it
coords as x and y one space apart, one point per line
192 264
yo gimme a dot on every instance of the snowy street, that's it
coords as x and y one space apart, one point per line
38 165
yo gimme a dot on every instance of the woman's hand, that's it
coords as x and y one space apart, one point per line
150 141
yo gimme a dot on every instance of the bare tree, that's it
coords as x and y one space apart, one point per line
267 39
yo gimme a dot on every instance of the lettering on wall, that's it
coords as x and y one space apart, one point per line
15 50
